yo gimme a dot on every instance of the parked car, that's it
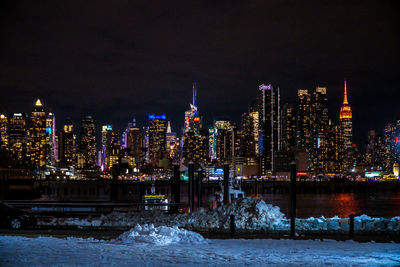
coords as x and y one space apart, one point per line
15 218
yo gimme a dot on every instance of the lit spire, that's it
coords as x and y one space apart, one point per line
345 110
194 95
169 127
345 102
38 103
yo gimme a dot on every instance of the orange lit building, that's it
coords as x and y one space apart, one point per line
346 117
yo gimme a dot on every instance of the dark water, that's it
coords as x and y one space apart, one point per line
375 205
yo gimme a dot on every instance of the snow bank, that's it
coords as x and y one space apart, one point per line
161 236
250 214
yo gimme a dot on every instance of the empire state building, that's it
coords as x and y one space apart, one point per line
346 122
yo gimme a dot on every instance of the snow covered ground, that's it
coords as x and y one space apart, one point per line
147 245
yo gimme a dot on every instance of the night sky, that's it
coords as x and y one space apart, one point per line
117 60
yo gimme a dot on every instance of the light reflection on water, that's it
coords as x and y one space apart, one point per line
343 204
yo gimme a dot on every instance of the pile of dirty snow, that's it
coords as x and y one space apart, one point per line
250 214
161 236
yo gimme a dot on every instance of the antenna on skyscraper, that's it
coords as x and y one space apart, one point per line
194 95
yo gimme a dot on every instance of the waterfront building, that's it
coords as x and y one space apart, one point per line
135 139
157 137
66 144
87 144
51 145
112 148
171 141
3 132
269 125
320 122
37 135
304 120
288 127
346 117
18 135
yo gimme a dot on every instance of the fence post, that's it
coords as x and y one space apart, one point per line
191 185
176 185
292 198
232 225
351 224
226 184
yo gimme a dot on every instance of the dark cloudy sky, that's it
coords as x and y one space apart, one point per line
122 59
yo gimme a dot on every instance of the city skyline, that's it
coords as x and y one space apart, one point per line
359 140
128 65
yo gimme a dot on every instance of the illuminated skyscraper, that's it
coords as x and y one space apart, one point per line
253 113
288 127
51 146
194 147
113 147
104 132
304 120
269 125
66 143
171 140
87 144
157 136
320 122
18 135
192 119
135 139
3 132
37 135
345 117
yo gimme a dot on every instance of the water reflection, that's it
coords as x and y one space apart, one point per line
342 205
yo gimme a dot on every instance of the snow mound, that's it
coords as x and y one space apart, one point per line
249 214
161 236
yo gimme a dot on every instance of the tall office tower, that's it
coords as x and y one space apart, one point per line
87 144
37 135
3 132
18 135
288 127
269 125
135 141
223 144
192 119
51 146
157 137
66 143
213 131
125 134
253 113
333 138
212 143
171 141
194 147
247 144
104 131
304 120
390 146
320 123
113 148
397 141
304 125
345 117
379 153
370 149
